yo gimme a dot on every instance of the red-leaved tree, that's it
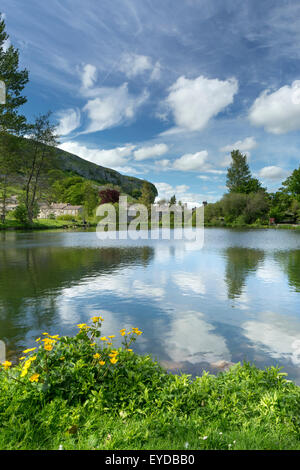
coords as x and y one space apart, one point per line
109 195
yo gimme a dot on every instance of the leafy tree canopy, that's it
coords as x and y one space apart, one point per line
239 178
15 81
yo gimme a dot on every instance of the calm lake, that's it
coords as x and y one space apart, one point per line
237 298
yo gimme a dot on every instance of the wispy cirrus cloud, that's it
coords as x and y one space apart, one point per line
68 121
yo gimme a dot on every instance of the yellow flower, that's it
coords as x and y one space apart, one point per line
21 358
113 360
112 336
123 333
6 365
137 331
101 363
48 344
29 350
26 365
93 344
130 350
96 356
104 338
83 326
45 334
114 351
54 337
96 319
109 344
24 372
37 340
34 378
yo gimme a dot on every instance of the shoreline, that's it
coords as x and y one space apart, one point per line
64 225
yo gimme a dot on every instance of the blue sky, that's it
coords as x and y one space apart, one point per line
165 90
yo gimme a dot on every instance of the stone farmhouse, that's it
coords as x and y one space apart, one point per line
56 210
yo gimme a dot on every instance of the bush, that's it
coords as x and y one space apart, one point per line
70 367
20 214
84 393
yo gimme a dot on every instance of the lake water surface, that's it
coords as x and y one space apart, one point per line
236 299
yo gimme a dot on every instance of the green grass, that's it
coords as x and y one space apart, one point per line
42 224
133 403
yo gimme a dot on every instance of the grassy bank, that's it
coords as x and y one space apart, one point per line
52 224
253 226
82 393
44 224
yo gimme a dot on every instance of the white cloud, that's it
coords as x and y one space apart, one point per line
155 74
248 143
150 152
111 107
6 45
89 76
166 190
112 158
278 112
273 173
69 120
134 64
194 102
203 177
163 164
191 161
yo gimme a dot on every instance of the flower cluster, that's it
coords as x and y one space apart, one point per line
58 358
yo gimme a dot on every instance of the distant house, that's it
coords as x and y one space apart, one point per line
11 204
46 210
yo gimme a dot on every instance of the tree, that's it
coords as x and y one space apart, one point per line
109 196
233 205
172 201
90 197
292 184
10 121
257 207
15 81
37 156
239 179
9 155
147 196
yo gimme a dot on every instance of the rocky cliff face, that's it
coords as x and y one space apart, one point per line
69 162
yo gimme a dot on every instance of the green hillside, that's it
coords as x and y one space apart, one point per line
72 163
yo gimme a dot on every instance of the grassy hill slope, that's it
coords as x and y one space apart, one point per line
71 163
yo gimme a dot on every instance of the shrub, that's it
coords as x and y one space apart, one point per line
109 196
72 390
70 367
20 214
